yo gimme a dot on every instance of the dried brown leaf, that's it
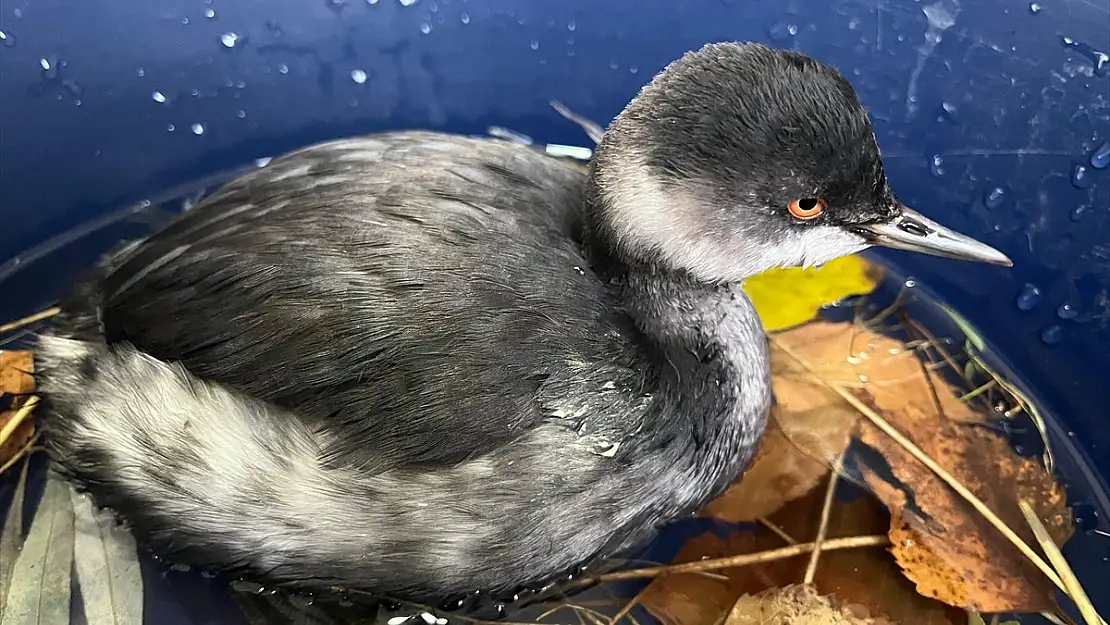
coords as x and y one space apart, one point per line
942 544
793 605
809 424
869 580
16 384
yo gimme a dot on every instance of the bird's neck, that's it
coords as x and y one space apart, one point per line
710 350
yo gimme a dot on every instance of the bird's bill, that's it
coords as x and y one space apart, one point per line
914 232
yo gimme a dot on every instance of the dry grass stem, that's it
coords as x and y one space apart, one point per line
26 321
1074 589
823 528
19 455
924 458
17 418
633 602
747 559
777 531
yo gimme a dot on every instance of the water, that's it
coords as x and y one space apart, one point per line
229 40
1028 298
994 198
1100 156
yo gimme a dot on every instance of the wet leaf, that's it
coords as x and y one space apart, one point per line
16 382
785 298
809 424
867 579
16 367
40 589
11 539
107 565
793 605
943 545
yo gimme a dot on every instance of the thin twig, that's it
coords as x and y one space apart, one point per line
1074 589
823 528
39 316
23 451
17 418
776 530
924 458
633 602
781 553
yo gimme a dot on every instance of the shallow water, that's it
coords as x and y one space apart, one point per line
175 595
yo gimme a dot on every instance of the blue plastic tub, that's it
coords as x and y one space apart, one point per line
993 117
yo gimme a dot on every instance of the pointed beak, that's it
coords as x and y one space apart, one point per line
912 231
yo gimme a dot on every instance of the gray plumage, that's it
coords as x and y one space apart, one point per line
417 364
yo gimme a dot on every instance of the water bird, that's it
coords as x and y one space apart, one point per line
420 365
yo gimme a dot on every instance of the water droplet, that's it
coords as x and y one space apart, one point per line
283 69
358 76
49 68
1100 156
633 69
241 114
782 31
1035 8
301 601
1079 176
242 585
229 40
1099 59
274 28
936 165
1078 213
910 283
1085 516
994 198
209 13
74 87
198 129
613 65
337 5
141 72
464 18
207 574
571 25
1052 335
1029 297
184 20
1067 311
534 44
181 568
158 97
7 39
425 27
407 3
948 112
171 128
264 161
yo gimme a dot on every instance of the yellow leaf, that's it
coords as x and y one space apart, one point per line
785 298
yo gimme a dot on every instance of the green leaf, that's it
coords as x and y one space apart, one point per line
39 593
785 298
972 335
107 564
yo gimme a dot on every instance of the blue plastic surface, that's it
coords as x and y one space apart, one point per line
992 116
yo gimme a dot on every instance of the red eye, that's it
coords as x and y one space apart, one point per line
806 208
